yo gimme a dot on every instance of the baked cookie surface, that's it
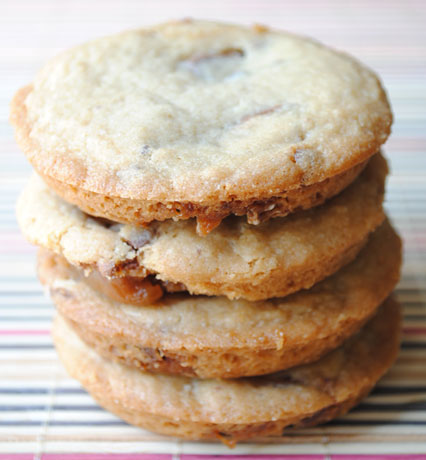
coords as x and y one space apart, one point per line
217 337
238 260
202 114
261 406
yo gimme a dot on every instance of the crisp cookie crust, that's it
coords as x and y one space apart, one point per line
200 409
200 113
126 210
238 260
216 337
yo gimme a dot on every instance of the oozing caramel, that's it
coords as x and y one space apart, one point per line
205 224
128 289
131 289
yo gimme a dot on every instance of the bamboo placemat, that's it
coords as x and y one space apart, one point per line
45 414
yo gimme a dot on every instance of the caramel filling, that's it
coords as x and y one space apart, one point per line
205 224
131 289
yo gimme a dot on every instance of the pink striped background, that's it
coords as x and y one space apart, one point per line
44 414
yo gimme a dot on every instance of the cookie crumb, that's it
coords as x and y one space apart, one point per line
260 28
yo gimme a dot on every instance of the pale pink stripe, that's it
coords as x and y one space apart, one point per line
252 457
24 332
102 457
407 143
14 242
379 457
16 457
208 457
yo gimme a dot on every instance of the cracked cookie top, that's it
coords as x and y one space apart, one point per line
200 112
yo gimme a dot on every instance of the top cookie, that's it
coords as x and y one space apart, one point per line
199 113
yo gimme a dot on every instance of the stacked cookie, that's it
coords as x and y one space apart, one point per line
208 201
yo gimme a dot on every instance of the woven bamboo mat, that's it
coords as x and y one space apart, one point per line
45 414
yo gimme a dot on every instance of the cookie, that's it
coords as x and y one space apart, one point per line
216 337
237 260
235 410
208 217
200 119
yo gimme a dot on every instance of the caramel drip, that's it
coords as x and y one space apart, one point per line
205 224
128 289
